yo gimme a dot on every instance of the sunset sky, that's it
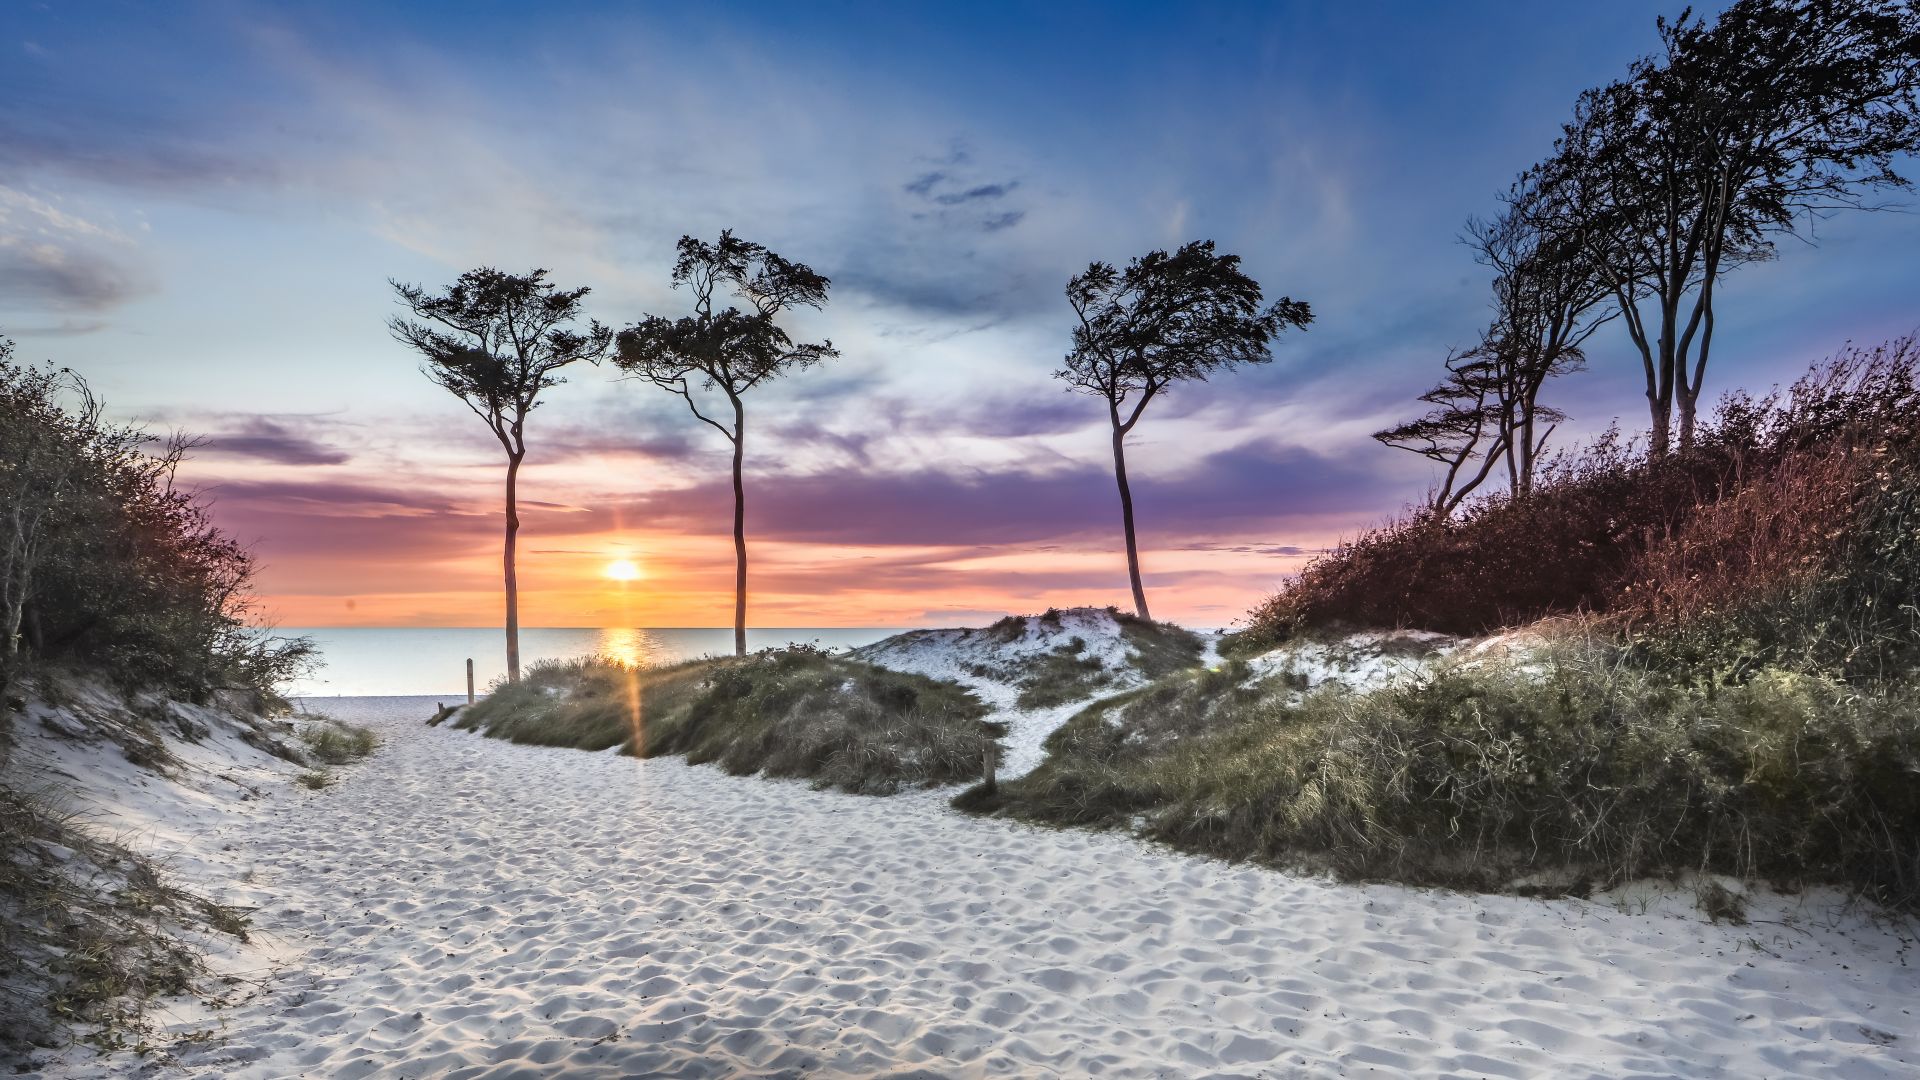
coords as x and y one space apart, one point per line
201 205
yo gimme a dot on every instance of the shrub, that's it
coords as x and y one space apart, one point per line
793 712
105 560
1762 505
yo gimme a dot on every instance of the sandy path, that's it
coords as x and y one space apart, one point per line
469 908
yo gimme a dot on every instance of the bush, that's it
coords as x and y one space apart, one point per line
106 561
794 712
1758 506
1580 765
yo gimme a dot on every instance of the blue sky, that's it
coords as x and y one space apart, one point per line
201 204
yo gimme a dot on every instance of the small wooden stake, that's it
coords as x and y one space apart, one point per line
469 680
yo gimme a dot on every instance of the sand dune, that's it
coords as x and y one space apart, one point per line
463 907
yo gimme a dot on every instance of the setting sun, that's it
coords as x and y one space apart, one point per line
623 570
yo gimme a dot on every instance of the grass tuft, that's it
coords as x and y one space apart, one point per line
795 712
335 742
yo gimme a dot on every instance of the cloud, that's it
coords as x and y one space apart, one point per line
50 257
127 151
266 439
1248 488
65 328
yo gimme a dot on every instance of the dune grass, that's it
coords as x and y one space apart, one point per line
1070 673
90 930
335 742
794 712
1578 767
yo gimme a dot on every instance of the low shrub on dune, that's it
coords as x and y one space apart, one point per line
794 712
1793 512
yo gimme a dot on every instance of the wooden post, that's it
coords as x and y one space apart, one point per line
989 774
469 680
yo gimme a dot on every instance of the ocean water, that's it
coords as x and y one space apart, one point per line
378 662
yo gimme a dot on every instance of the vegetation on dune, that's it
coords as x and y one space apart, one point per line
1069 672
1791 515
794 712
1581 767
90 930
1746 702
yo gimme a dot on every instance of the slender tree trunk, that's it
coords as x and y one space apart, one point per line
739 532
1126 519
507 561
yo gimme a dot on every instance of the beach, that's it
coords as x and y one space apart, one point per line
456 906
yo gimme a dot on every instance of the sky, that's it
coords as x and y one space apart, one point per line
202 205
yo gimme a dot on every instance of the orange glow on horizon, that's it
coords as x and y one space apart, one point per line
623 570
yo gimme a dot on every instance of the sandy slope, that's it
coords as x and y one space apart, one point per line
463 907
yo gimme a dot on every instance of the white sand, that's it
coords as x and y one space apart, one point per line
462 907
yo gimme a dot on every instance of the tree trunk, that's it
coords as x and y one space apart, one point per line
1126 520
1659 437
739 532
512 576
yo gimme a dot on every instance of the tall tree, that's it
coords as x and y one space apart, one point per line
497 341
1165 319
1740 132
723 353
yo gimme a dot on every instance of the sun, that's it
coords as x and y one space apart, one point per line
622 570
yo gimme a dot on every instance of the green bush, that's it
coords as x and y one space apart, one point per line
106 561
782 713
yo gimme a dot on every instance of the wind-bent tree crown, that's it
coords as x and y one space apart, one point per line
730 350
496 340
1741 131
1167 319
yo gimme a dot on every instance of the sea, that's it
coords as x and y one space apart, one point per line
391 662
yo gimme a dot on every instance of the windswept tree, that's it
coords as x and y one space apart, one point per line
1740 132
1165 319
496 341
714 356
1547 301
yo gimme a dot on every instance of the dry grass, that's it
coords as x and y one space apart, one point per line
1580 767
335 742
91 932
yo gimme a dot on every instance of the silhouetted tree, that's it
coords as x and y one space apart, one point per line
727 352
496 341
1464 426
1165 319
1488 407
1740 132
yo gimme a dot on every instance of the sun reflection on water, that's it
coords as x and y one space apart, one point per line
631 648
